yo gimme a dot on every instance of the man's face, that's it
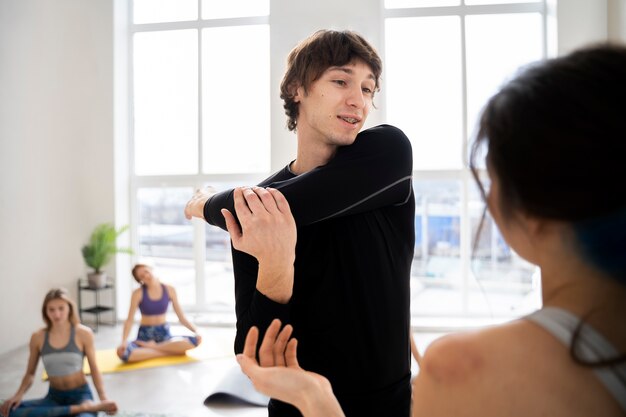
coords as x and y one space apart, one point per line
337 104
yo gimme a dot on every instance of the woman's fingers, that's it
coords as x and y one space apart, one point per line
266 351
249 347
248 365
275 345
291 354
281 344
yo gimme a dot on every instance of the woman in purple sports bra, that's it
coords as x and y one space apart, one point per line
153 338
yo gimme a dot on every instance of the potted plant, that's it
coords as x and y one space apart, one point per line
99 251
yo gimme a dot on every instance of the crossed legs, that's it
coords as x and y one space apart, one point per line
152 349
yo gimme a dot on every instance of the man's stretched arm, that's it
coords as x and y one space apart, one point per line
373 172
253 307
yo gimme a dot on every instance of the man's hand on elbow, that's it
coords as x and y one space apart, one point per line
267 231
266 228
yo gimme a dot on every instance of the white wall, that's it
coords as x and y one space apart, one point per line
56 147
580 22
617 20
57 177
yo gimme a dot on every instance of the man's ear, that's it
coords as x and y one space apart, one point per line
298 93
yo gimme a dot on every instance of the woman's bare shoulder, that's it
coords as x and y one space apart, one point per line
477 350
83 331
463 372
38 335
171 292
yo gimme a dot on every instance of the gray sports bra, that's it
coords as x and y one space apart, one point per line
65 361
591 346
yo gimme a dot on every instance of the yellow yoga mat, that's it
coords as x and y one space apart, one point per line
108 361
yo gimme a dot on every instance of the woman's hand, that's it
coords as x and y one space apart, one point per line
279 375
121 349
10 404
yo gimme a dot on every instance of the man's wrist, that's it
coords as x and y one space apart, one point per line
276 282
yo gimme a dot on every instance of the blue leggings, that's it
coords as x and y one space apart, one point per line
56 403
159 333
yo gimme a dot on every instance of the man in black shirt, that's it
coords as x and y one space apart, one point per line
351 197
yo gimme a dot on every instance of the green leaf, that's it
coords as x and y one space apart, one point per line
103 245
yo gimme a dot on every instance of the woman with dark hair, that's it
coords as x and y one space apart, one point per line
62 345
154 339
556 144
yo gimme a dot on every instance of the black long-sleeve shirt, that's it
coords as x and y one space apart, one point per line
350 303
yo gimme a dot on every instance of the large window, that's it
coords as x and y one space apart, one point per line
200 93
444 59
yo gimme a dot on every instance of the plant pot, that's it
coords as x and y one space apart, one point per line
97 280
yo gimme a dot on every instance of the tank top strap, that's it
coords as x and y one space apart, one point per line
591 346
72 346
46 343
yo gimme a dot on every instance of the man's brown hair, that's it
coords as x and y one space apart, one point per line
314 55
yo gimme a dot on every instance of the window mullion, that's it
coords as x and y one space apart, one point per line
199 253
465 216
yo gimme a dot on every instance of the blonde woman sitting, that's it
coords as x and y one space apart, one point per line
62 346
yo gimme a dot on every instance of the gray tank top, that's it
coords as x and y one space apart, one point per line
591 346
65 361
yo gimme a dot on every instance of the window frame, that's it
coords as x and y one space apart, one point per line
464 175
193 181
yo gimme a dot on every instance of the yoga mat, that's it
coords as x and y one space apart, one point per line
236 387
108 361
